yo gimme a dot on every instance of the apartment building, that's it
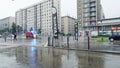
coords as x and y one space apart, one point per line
88 12
39 16
67 25
6 23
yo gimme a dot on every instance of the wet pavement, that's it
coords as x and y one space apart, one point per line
82 43
38 57
30 53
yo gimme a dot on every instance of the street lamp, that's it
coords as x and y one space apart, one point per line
54 23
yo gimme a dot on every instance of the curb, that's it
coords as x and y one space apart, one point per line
100 51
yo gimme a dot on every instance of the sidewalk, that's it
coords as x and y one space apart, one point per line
106 49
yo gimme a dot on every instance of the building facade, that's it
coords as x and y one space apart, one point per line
6 23
88 12
39 16
108 25
67 25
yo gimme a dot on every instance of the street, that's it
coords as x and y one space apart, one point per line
31 53
81 44
38 57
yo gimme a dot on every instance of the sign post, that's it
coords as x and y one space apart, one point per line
87 34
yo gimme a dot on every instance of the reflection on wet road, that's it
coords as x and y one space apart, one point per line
37 57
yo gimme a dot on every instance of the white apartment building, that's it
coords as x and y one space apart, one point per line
39 16
67 25
6 23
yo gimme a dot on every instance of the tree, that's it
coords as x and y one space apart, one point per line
14 28
19 28
39 31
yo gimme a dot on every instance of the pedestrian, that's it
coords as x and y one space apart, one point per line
15 37
5 36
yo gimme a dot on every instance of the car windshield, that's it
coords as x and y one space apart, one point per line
116 33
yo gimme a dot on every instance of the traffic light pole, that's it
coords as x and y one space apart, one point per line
76 33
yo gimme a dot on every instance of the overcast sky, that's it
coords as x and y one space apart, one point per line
111 8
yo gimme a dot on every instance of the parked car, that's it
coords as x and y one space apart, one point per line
115 37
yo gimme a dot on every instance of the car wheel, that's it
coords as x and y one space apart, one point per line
111 40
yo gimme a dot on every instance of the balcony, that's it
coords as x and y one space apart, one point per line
92 1
92 19
92 5
92 14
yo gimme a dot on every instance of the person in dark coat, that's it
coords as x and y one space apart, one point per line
15 37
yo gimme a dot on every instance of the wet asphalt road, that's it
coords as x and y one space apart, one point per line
38 57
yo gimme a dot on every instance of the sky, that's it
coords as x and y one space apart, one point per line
68 7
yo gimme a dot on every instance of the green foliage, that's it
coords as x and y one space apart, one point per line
14 28
39 31
100 36
18 28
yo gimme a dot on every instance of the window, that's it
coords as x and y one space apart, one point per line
86 23
85 1
92 9
86 5
86 19
93 14
92 4
93 23
86 10
86 14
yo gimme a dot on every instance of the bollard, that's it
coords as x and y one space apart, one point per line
88 42
68 41
88 38
48 41
52 41
5 39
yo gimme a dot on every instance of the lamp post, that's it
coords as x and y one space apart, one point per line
54 23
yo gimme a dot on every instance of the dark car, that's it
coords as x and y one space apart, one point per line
115 37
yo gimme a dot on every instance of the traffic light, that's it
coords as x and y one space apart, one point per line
76 30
